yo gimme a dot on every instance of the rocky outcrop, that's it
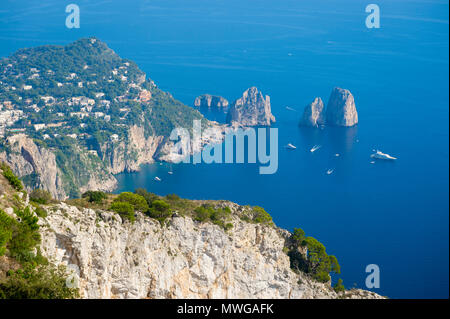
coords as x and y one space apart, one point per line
313 115
184 259
341 109
37 166
251 109
27 159
208 100
130 154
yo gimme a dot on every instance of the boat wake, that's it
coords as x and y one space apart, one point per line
290 146
383 156
315 148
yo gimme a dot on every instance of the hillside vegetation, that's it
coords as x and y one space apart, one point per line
79 101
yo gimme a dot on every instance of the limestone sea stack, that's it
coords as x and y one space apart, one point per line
313 115
251 109
208 100
341 109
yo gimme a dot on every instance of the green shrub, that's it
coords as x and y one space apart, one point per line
216 216
36 279
159 210
322 276
124 209
220 214
316 262
94 196
42 282
203 213
25 236
339 287
12 179
173 197
137 201
334 265
298 236
40 211
19 237
5 231
260 215
40 196
149 197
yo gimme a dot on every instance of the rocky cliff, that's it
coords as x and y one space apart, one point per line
184 259
313 115
128 155
341 109
251 109
38 167
238 253
208 100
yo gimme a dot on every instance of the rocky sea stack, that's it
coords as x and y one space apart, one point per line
208 100
313 114
251 109
340 111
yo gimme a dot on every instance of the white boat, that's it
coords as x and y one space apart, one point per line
290 109
337 154
330 171
372 162
380 155
157 179
315 148
291 147
170 173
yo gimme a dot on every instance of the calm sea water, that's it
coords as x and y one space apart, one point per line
395 214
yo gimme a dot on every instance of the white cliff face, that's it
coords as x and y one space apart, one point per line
341 109
251 109
313 114
129 155
184 259
27 158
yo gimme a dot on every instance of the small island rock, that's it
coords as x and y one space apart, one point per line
313 115
341 109
251 109
208 100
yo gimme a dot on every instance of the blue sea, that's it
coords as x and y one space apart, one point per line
392 214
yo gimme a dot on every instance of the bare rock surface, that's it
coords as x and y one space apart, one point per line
341 109
251 109
208 100
184 259
313 115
